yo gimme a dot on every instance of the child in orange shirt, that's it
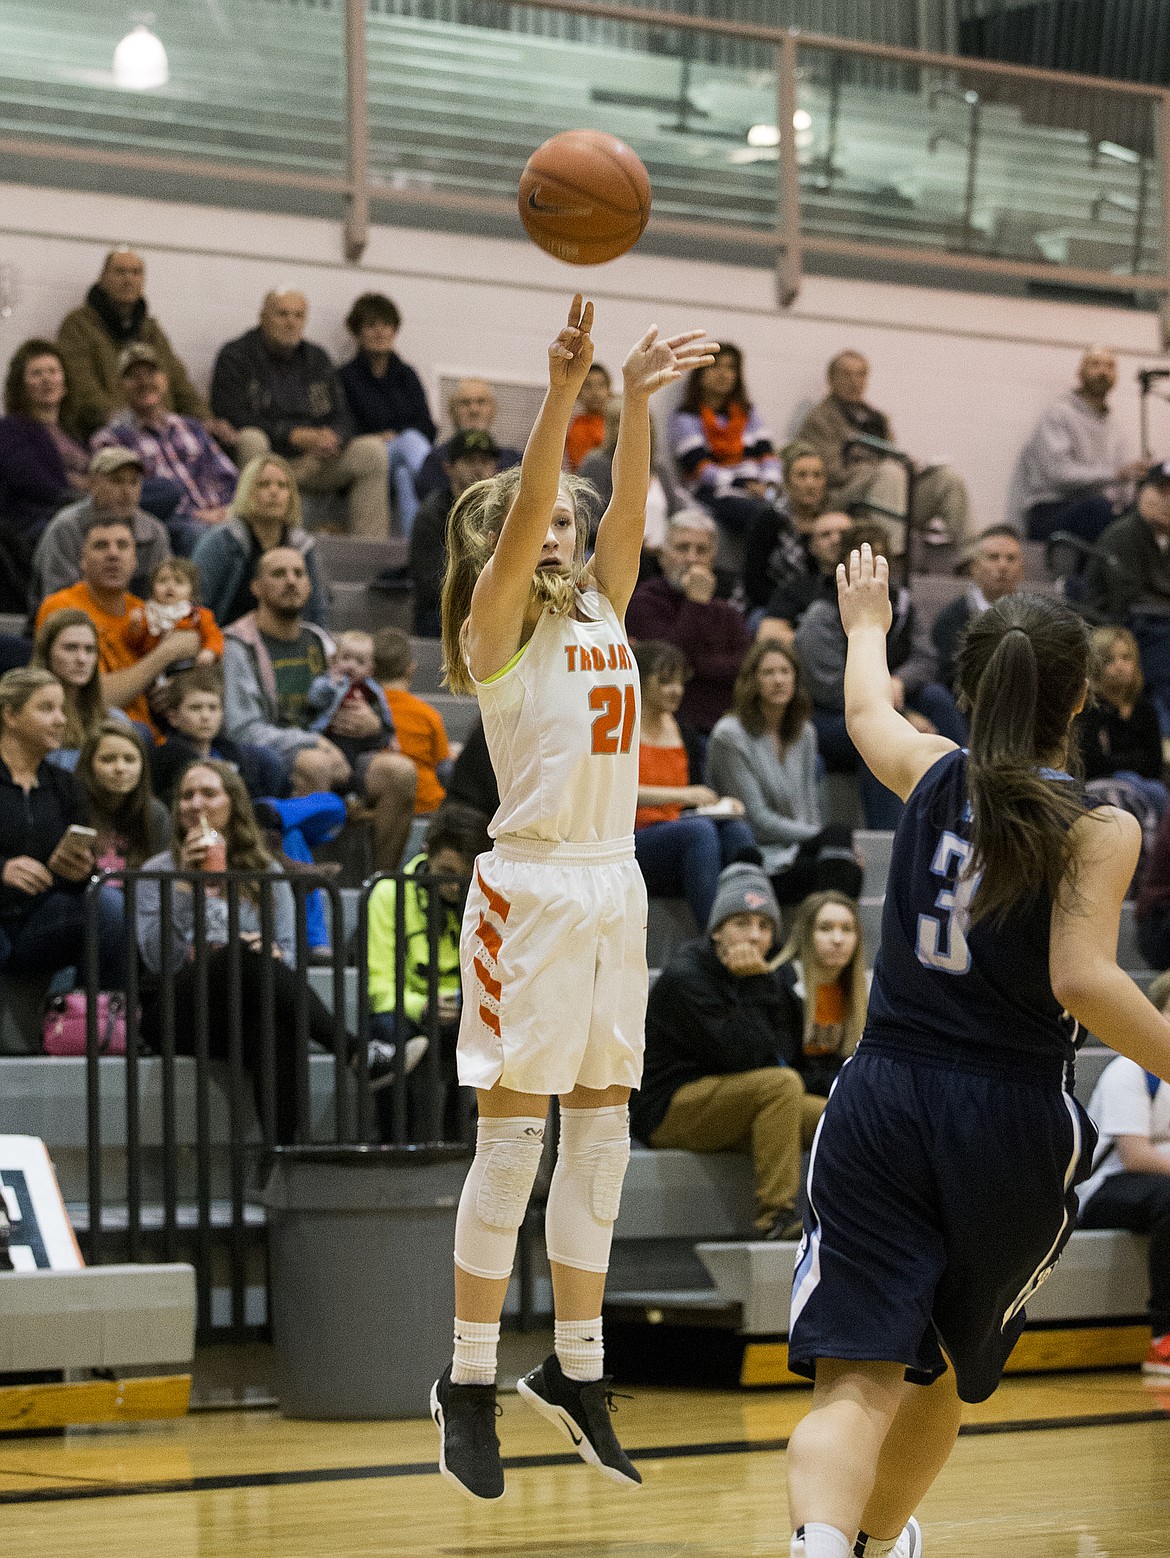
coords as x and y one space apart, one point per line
422 735
173 603
587 429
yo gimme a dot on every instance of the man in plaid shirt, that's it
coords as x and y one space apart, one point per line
175 448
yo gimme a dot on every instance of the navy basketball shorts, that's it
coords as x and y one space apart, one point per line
939 1201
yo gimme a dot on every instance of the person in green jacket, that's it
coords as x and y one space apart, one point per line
456 835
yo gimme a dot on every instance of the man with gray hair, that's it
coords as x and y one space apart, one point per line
472 408
92 339
1075 471
282 393
680 607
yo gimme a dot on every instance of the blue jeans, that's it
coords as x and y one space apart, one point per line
881 807
405 453
684 858
1152 632
1085 516
308 820
50 936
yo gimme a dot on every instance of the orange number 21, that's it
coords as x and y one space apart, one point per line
615 711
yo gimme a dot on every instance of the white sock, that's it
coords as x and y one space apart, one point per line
813 1540
580 1350
475 1353
875 1547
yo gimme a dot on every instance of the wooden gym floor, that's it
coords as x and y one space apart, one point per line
1067 1466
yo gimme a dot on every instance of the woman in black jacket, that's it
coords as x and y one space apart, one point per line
46 847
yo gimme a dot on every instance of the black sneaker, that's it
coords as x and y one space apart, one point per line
469 1451
787 1227
581 1412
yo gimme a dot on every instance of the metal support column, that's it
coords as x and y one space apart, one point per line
788 259
357 133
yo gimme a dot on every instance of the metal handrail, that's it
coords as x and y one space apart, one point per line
786 241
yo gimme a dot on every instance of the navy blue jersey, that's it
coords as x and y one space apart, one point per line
976 992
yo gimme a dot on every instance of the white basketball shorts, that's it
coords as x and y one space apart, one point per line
553 955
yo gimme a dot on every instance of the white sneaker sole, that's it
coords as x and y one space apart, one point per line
913 1547
438 1420
580 1442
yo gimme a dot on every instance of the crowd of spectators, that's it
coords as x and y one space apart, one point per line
183 682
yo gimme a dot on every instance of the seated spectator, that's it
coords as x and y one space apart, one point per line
270 660
120 803
282 394
1128 581
680 607
172 448
1152 909
788 602
67 645
680 851
775 554
472 456
587 429
113 317
1074 473
765 754
108 560
348 685
714 1079
454 837
472 408
1117 732
46 860
211 800
173 603
822 971
418 725
473 779
41 467
821 645
862 478
193 729
663 497
1130 1183
115 492
724 452
386 398
996 569
265 512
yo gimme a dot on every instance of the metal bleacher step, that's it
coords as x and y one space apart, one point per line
352 605
875 847
358 559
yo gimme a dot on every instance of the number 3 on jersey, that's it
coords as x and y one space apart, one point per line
942 940
613 729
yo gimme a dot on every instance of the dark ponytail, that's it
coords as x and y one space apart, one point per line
1022 670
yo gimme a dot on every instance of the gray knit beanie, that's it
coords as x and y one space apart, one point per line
743 889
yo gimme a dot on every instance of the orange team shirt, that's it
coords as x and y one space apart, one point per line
586 433
666 766
114 654
423 737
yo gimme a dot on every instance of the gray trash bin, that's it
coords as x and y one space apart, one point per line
363 1293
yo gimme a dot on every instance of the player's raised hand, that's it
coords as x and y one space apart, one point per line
863 591
653 363
571 354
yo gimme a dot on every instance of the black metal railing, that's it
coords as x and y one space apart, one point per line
219 1069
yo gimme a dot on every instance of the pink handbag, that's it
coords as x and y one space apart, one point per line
64 1025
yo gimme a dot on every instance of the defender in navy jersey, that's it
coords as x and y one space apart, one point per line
941 1185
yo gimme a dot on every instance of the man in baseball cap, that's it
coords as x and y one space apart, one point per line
714 1079
115 492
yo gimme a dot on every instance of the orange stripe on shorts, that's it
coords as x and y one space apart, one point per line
490 1020
492 986
489 936
497 903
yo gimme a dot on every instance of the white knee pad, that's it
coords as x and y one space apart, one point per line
495 1194
586 1190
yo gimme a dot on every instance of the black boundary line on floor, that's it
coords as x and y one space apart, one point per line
662 1452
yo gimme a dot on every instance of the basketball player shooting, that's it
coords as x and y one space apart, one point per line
553 946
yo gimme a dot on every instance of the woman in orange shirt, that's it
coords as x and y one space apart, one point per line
822 970
680 847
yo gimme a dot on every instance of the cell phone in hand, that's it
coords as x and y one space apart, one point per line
76 831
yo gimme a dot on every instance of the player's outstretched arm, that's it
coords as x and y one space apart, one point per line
651 365
502 591
894 751
1082 957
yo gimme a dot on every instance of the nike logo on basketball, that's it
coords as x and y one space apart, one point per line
540 205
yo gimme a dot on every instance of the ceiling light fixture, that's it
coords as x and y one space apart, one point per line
140 61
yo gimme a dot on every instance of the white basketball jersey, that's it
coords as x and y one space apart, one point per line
561 722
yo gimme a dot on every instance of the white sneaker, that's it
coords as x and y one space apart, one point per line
380 1059
908 1545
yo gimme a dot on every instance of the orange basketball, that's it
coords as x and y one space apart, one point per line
585 197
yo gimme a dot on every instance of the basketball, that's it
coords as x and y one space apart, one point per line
585 197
